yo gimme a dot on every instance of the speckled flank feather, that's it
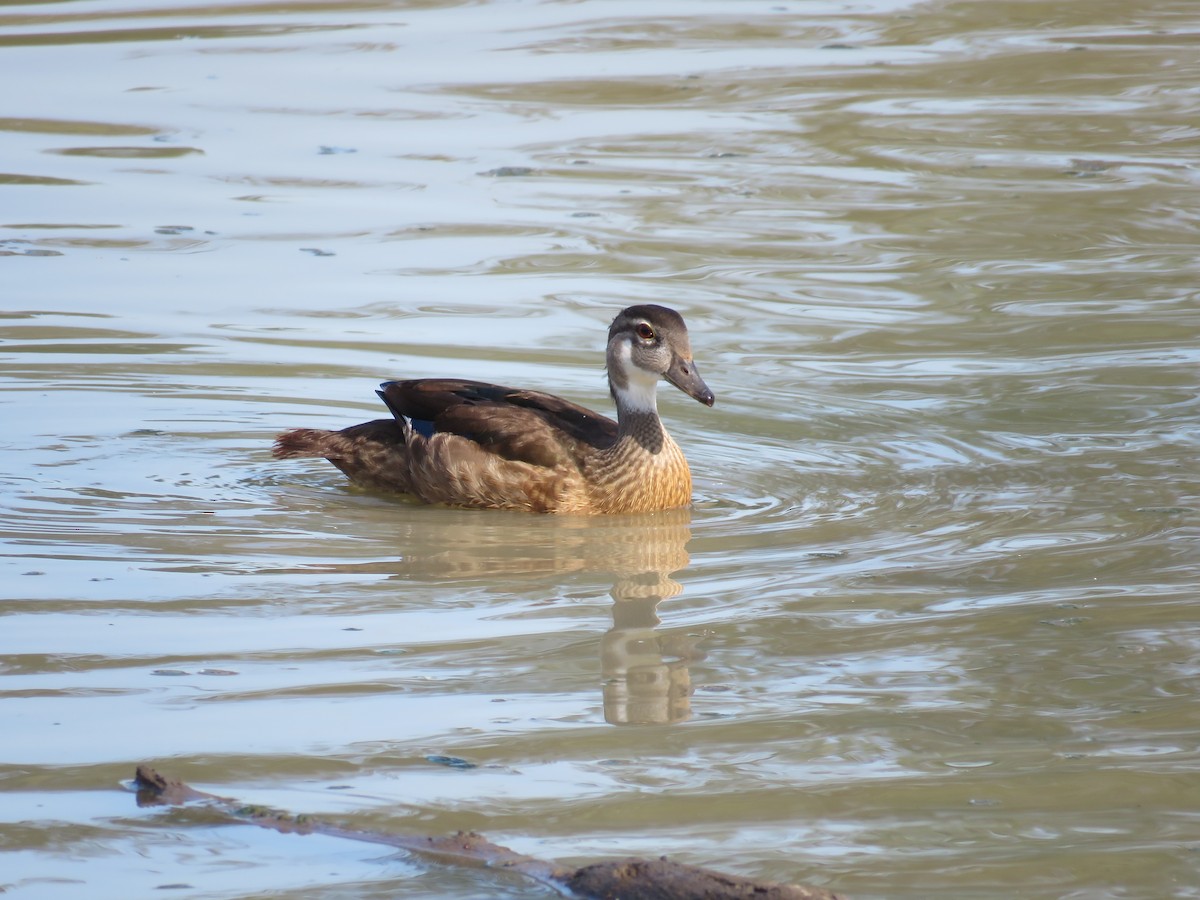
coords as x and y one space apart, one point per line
486 446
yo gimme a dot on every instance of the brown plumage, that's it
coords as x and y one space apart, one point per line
471 444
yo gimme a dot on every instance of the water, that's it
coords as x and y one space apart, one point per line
929 629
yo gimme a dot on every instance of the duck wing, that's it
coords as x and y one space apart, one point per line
516 424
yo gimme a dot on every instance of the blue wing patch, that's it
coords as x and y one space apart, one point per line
422 427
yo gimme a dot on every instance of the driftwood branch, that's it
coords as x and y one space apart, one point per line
628 879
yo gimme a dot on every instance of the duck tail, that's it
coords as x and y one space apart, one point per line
373 455
301 442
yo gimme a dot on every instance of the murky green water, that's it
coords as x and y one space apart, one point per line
930 630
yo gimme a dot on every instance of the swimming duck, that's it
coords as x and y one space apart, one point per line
484 446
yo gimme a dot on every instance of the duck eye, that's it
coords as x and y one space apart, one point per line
644 331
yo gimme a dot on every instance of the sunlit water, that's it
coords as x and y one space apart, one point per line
930 629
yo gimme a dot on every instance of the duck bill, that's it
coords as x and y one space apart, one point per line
684 376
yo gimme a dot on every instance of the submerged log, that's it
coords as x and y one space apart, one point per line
661 879
627 879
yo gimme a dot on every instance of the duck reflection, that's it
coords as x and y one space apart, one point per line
645 674
646 678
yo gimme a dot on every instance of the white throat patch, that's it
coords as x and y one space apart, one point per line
640 393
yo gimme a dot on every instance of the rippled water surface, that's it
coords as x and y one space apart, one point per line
930 629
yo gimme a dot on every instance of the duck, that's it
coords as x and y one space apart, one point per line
475 445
